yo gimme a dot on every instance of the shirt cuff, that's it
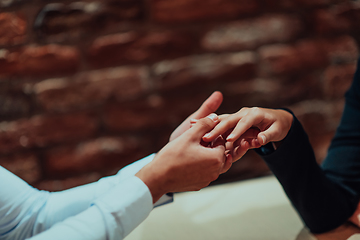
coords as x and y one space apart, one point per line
124 207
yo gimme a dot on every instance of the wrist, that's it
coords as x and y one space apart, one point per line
154 180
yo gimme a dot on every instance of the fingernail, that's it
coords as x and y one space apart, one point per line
213 117
263 138
207 135
193 120
230 137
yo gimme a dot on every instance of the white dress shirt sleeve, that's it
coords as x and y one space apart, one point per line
107 209
111 217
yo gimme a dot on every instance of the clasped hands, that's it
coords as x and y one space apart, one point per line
205 145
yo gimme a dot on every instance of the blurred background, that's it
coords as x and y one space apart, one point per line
87 87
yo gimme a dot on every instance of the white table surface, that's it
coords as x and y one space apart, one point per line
255 209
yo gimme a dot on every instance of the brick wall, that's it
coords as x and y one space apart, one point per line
88 87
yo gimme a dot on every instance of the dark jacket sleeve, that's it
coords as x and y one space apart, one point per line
324 197
342 164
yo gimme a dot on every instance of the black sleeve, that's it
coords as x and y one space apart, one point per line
324 198
342 163
322 204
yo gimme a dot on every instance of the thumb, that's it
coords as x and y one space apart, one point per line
269 135
203 126
210 105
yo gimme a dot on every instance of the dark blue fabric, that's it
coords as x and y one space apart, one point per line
325 197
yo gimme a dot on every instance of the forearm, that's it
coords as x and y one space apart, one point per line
310 191
111 216
26 211
64 204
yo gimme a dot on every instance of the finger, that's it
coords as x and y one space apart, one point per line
228 163
272 134
210 105
193 121
229 146
225 124
254 143
249 136
251 133
203 126
249 143
226 134
240 151
219 141
249 120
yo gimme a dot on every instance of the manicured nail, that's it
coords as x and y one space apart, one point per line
263 138
193 120
230 137
213 117
207 135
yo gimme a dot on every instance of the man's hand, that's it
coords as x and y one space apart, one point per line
184 164
209 106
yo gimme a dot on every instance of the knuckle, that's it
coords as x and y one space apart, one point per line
206 122
214 176
218 163
255 110
227 124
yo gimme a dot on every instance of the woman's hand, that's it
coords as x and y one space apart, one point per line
251 128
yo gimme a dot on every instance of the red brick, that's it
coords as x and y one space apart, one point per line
250 34
279 59
12 29
273 92
13 105
134 116
320 120
279 4
318 117
44 130
343 49
96 155
313 3
81 18
25 166
192 10
254 92
337 80
350 11
92 88
155 112
132 47
305 55
224 67
70 182
329 22
39 61
312 54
